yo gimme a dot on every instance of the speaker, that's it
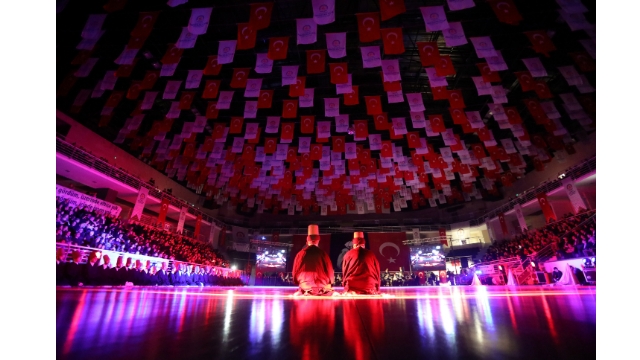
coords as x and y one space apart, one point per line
590 274
464 263
542 279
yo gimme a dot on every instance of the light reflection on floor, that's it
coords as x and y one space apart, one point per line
267 322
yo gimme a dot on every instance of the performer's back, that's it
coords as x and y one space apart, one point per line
361 271
312 270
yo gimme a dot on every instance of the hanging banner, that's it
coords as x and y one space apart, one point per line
240 235
89 202
520 217
547 210
164 209
416 233
196 232
460 231
442 232
183 216
138 207
503 225
574 196
392 254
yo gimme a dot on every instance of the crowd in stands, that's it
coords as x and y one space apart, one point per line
573 236
77 225
103 273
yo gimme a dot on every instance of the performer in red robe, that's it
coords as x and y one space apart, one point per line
312 269
360 269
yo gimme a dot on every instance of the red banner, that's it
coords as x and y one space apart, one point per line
390 251
503 225
164 209
198 223
442 232
547 210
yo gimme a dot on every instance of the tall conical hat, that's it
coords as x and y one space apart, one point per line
313 230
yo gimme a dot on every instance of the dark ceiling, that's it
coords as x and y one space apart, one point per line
543 139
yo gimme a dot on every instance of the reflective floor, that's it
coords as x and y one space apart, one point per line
267 323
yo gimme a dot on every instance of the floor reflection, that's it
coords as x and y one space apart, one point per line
267 323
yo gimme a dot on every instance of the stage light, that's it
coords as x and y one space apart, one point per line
500 267
266 253
478 272
533 265
438 247
264 238
419 252
233 267
282 251
593 260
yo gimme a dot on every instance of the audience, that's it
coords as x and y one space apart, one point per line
96 229
567 239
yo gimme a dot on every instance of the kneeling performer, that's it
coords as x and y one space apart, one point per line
312 269
360 269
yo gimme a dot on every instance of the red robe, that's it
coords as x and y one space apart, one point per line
361 271
312 270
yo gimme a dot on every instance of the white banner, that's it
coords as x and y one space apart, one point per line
77 198
518 210
460 231
138 207
574 196
416 233
181 219
241 247
240 235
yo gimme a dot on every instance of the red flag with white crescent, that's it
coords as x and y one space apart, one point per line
164 209
503 225
390 251
547 210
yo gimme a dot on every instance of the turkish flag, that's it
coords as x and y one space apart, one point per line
246 37
278 47
211 89
236 125
114 5
361 129
134 90
172 56
297 89
527 82
260 15
442 233
389 249
503 225
391 8
584 61
315 61
392 41
458 116
145 24
541 42
386 149
114 99
239 78
381 121
339 73
440 93
488 76
212 68
374 105
478 151
270 145
369 26
186 98
542 90
429 53
506 11
413 139
444 66
287 131
289 109
212 110
265 99
547 210
164 209
437 123
149 79
513 116
316 152
456 100
307 124
338 143
352 97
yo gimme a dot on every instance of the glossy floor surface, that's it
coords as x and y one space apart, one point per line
267 323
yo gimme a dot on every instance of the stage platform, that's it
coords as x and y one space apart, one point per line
447 322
